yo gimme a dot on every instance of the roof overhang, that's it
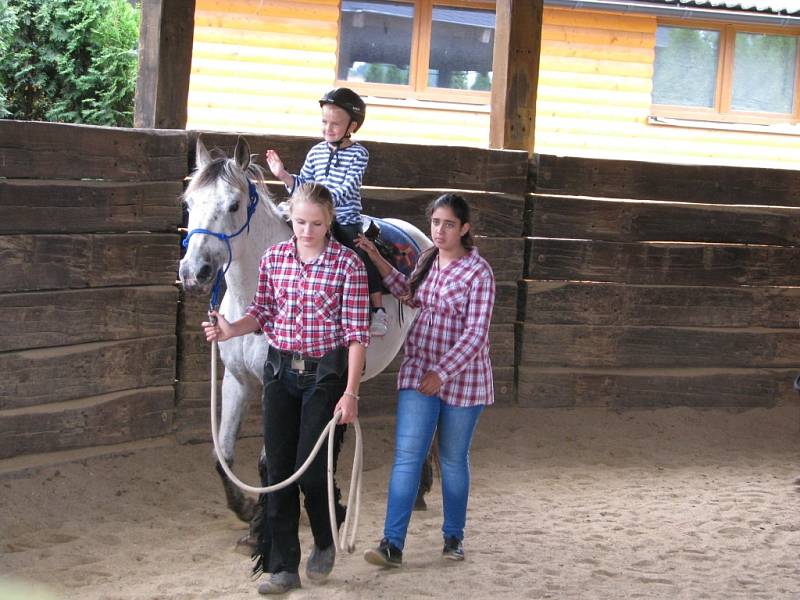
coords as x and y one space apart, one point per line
679 12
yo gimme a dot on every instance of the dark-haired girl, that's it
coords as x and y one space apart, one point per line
445 379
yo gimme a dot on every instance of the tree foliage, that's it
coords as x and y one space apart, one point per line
68 60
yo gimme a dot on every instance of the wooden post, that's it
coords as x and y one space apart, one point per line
517 46
165 62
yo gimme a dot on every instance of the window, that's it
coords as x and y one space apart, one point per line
726 74
418 49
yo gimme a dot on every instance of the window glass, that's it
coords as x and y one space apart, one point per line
764 72
462 41
375 41
685 70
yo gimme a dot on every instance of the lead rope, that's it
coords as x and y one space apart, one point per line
344 539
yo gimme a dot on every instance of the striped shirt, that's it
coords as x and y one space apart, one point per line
450 335
311 307
341 171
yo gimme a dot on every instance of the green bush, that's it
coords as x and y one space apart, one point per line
68 60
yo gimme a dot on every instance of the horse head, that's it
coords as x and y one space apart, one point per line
222 200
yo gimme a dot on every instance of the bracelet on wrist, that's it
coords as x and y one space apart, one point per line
351 394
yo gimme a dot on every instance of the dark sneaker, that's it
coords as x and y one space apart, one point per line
320 563
453 549
280 583
385 555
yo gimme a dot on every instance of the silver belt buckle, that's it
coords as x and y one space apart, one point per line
298 364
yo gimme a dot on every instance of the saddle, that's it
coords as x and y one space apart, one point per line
394 244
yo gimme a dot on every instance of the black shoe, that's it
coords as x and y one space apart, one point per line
385 555
453 549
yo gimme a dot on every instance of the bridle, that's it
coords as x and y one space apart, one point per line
251 209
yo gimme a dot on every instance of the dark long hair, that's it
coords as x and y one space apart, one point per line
461 211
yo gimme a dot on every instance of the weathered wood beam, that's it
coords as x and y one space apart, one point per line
517 46
165 62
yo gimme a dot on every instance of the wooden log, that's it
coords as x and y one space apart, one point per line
505 302
399 165
28 206
193 362
193 415
45 376
96 421
516 58
583 303
45 262
718 388
632 221
35 150
663 347
506 256
165 63
493 214
707 184
41 319
661 264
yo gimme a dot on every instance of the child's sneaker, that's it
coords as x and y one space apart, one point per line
379 324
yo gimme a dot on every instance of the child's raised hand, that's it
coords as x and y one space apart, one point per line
275 163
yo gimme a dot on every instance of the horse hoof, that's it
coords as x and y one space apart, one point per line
246 510
246 545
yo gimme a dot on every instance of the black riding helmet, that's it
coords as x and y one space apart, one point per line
349 101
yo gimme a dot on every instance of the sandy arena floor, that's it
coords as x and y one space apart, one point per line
584 503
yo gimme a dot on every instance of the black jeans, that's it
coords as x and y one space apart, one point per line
345 235
296 408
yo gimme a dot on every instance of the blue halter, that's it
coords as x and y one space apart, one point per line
251 208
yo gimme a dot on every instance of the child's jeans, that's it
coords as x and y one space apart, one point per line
346 235
418 417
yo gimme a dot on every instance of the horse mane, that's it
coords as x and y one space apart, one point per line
223 168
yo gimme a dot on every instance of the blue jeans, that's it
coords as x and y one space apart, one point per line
418 418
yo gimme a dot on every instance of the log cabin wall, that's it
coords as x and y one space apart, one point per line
262 67
659 285
89 246
400 181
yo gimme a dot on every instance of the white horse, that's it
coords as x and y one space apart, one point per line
232 221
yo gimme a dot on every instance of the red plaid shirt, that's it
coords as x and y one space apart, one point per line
451 333
313 307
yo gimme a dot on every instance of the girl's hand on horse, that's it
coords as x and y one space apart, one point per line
219 331
348 404
367 246
430 384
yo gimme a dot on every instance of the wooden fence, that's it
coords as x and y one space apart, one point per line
619 284
88 241
659 285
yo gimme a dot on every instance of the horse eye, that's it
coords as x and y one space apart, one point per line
234 207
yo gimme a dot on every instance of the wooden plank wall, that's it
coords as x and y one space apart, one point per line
659 285
88 241
400 181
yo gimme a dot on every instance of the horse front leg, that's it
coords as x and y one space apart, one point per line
235 399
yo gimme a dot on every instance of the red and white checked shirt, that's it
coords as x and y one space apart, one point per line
312 307
450 335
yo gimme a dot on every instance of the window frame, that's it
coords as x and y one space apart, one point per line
420 60
721 111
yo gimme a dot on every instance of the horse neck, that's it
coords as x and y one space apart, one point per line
242 276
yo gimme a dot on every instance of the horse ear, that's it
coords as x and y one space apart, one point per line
242 153
202 156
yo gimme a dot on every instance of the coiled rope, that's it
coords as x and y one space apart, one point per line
344 538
